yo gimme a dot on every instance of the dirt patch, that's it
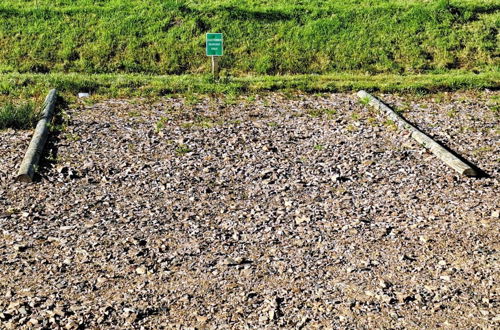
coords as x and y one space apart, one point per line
267 210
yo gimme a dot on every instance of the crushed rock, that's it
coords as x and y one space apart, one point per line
271 210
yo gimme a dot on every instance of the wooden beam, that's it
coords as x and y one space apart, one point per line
35 149
437 149
215 67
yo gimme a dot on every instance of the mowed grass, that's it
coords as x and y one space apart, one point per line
28 85
148 48
264 37
16 86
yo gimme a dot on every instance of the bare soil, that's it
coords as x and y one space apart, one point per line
258 211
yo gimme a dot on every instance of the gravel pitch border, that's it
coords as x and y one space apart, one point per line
260 211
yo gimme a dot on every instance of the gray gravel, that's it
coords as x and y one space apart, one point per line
261 211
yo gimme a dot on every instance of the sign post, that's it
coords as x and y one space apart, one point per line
214 49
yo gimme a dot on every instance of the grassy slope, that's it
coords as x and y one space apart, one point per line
390 45
261 36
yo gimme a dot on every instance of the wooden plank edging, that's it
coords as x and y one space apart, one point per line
437 149
35 149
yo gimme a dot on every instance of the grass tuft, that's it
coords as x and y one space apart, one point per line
182 149
364 100
21 116
160 124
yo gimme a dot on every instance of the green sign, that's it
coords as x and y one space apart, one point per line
214 44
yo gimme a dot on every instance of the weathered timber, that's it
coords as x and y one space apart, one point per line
437 149
215 67
35 149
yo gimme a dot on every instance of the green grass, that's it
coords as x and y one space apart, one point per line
30 85
20 116
364 100
262 37
34 87
160 124
182 149
495 104
319 147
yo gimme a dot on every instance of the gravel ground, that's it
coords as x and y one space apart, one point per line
263 211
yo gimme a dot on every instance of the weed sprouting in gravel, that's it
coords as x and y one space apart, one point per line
52 157
134 114
330 112
351 128
202 122
496 109
401 109
390 124
319 147
497 130
315 113
58 127
372 121
182 149
364 100
482 150
495 104
131 146
355 116
452 113
72 137
160 124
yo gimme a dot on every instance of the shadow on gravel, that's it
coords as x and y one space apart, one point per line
480 172
50 151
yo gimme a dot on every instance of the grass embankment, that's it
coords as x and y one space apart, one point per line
132 48
261 36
